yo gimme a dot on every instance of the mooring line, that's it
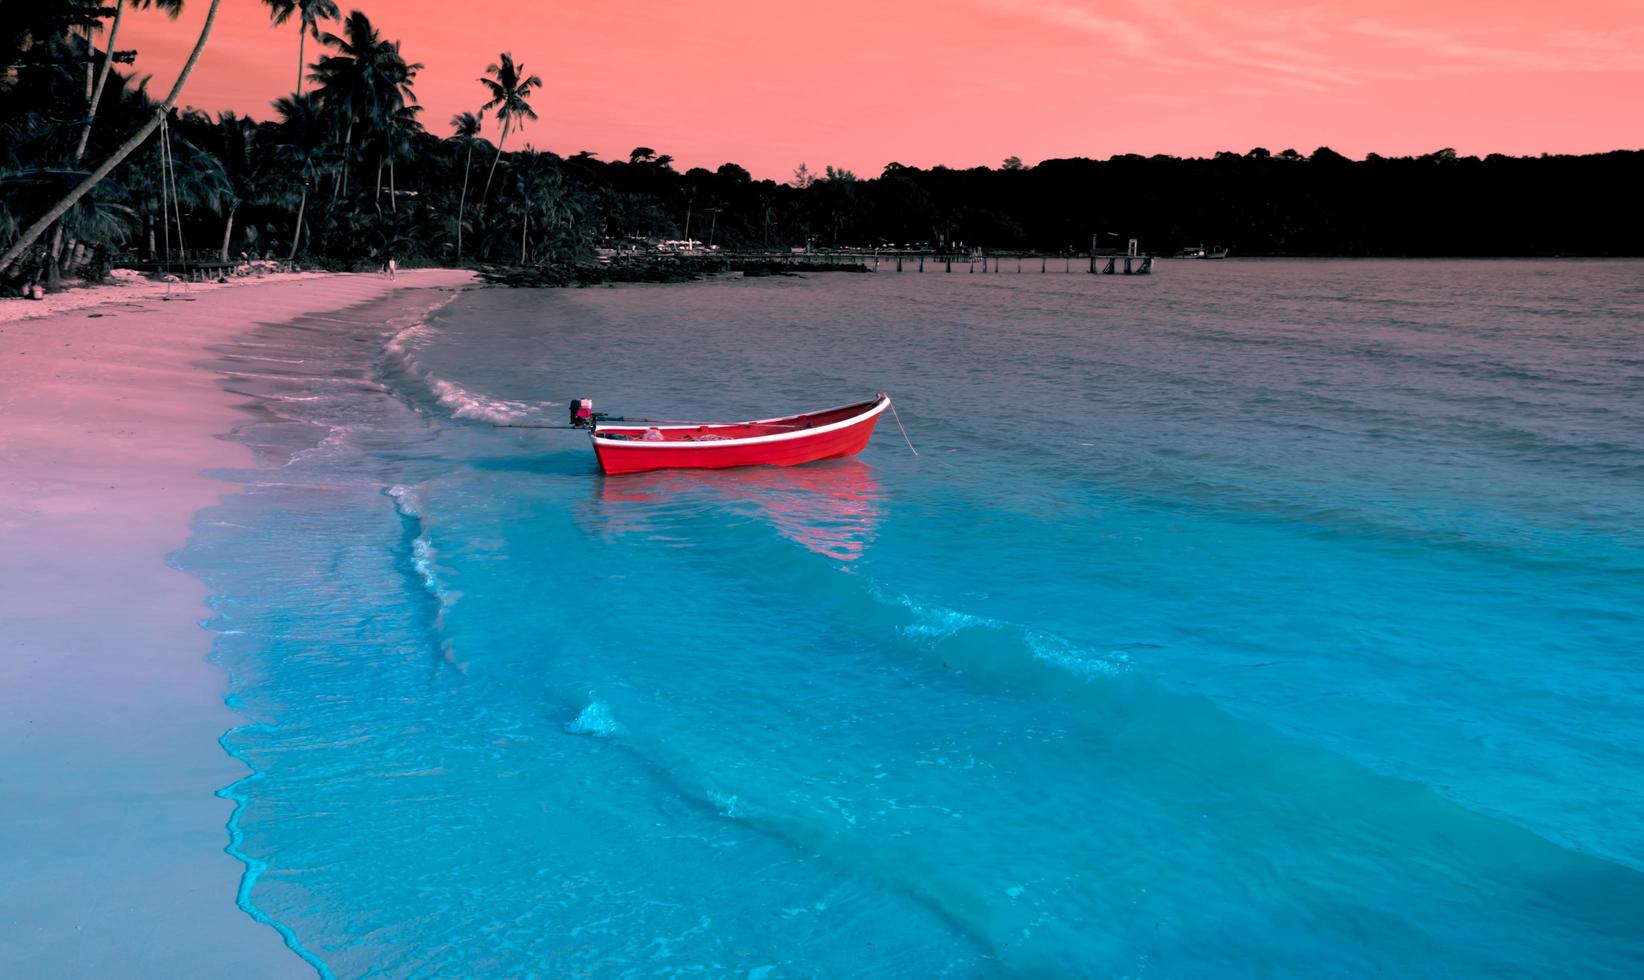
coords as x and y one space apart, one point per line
898 419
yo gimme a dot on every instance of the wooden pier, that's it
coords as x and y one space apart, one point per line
1095 262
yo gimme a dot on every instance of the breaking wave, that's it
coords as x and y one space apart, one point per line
946 629
401 360
406 500
464 404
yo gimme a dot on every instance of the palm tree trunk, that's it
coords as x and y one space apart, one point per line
336 172
56 252
297 235
462 202
393 194
376 198
54 268
524 221
342 171
302 39
493 171
91 73
55 277
102 78
228 233
34 231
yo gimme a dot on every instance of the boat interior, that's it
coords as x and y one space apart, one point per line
721 431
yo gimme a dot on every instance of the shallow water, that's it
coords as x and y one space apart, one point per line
1254 618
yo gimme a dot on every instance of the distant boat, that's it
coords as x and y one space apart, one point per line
1200 252
622 446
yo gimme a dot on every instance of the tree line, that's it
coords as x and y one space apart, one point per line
344 171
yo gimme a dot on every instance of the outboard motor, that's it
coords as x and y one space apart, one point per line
582 413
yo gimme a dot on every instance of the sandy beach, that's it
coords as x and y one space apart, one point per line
110 835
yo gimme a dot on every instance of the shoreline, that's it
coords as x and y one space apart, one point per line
110 829
93 297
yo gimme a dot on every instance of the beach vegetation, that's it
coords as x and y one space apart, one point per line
69 49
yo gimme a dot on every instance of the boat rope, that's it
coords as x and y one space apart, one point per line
898 419
165 207
176 205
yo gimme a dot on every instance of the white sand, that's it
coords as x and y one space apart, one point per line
111 840
128 290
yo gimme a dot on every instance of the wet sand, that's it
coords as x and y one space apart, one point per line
111 837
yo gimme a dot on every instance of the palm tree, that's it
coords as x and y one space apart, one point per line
508 96
309 14
467 129
233 144
366 81
94 92
33 232
398 129
301 148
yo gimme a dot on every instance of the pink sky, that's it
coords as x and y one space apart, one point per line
967 82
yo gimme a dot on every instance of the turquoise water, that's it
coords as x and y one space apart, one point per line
1267 619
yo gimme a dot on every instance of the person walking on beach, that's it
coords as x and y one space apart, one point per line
391 267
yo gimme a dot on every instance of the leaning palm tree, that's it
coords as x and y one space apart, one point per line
467 129
94 92
309 14
509 92
32 233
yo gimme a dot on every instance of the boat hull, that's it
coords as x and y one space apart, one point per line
789 441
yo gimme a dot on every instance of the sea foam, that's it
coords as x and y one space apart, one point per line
596 720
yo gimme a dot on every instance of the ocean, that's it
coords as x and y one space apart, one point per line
1250 619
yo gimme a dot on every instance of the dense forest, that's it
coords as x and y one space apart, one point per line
96 169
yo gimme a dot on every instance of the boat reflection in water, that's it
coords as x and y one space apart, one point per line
831 508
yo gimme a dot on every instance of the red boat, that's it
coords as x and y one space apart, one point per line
630 446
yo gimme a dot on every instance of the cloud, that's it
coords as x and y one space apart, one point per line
1131 38
1561 51
1322 46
